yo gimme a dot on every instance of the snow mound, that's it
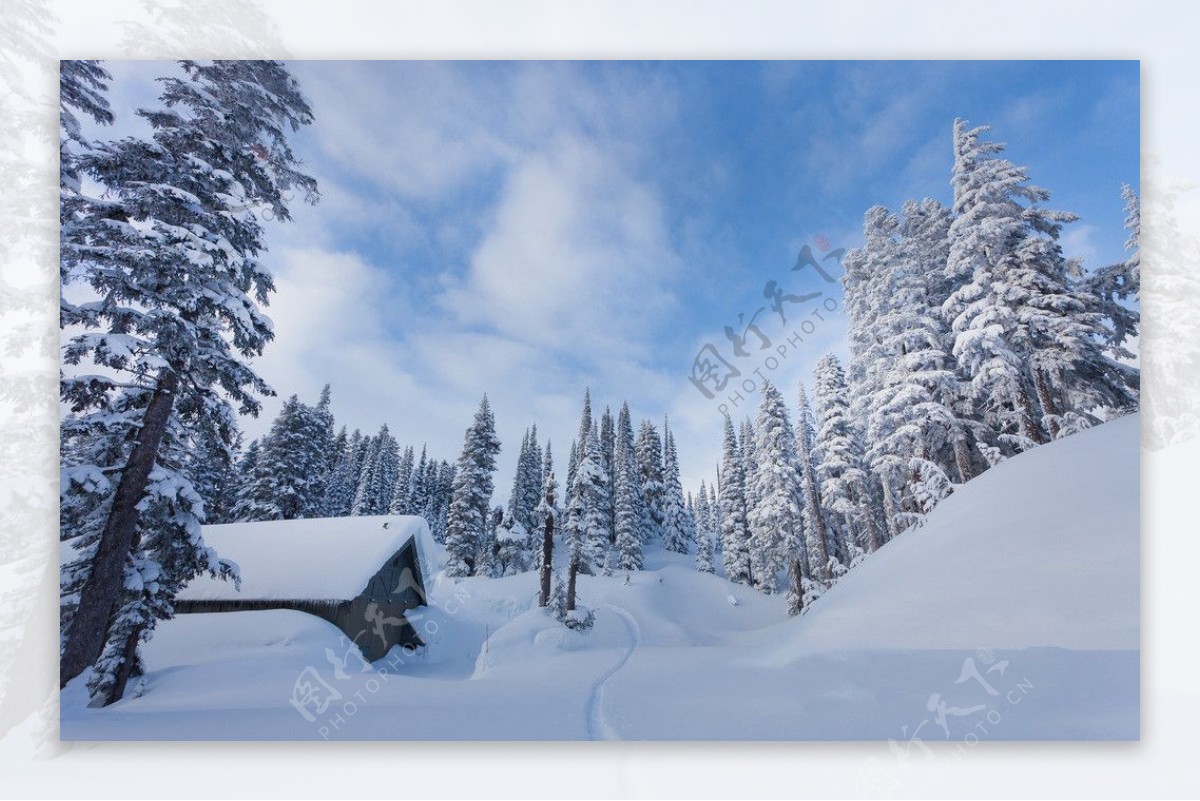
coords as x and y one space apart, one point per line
317 559
1041 550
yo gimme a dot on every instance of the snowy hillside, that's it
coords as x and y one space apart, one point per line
1012 614
1042 550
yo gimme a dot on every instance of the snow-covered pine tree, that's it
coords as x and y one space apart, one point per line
547 515
213 468
587 516
749 483
487 557
704 532
366 487
988 224
690 524
287 479
471 493
1025 326
868 296
533 483
913 408
512 540
776 529
321 453
608 444
337 452
586 424
377 479
343 479
424 487
82 85
169 350
245 480
572 463
675 518
442 478
556 602
402 492
714 510
628 502
1117 286
516 496
165 560
840 465
821 553
927 351
735 537
526 482
649 450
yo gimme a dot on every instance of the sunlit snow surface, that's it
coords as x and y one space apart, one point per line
1012 614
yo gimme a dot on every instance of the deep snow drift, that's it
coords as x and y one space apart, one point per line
1012 614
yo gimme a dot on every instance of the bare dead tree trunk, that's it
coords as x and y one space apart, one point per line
98 597
547 559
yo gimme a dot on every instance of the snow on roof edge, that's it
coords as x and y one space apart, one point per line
328 559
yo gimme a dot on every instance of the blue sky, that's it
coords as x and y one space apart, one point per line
531 228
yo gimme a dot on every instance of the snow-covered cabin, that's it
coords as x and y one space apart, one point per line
362 574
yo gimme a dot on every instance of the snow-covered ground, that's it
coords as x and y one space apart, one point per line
1012 614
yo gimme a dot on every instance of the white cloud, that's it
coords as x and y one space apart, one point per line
576 258
1078 241
420 129
329 311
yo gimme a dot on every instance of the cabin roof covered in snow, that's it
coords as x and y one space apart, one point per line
316 559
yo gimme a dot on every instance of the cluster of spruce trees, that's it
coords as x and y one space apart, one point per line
300 468
621 492
972 337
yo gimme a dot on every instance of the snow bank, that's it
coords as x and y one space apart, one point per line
317 559
1041 550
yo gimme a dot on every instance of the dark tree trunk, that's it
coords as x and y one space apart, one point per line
99 595
1046 398
812 504
547 560
874 541
1028 423
805 559
572 572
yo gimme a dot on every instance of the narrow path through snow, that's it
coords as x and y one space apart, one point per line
598 726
